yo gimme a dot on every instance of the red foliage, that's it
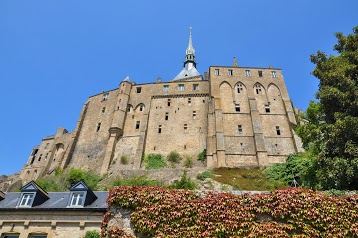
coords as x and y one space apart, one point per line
160 212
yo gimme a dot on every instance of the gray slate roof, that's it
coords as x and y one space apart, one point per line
187 73
57 200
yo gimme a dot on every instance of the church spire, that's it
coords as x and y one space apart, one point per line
190 53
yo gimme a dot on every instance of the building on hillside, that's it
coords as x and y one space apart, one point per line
35 213
242 116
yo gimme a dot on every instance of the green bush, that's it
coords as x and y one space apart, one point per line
184 183
124 159
92 234
202 156
173 157
154 161
136 181
188 163
205 174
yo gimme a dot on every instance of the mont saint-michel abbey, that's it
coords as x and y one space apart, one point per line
242 116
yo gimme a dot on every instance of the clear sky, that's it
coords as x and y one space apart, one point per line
55 54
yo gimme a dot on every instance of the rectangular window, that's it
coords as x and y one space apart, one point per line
139 89
185 128
189 101
103 110
11 236
168 102
196 87
98 127
247 73
194 114
273 73
217 72
40 157
38 236
137 124
267 108
237 108
160 129
165 88
166 116
239 128
278 131
141 108
260 73
181 87
229 72
77 199
26 200
105 96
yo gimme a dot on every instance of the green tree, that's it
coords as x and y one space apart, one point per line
337 127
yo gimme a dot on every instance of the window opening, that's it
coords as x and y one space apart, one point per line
237 108
247 73
141 108
229 72
166 116
278 131
194 114
26 199
165 88
46 146
189 101
258 88
239 128
103 110
46 156
154 148
196 87
185 128
181 87
98 126
267 108
40 157
77 199
12 236
273 73
139 89
168 102
184 147
160 129
129 109
260 73
105 96
137 124
217 72
239 88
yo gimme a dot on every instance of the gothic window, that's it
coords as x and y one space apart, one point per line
217 72
273 73
165 88
237 108
137 124
239 128
139 89
181 87
260 73
196 87
229 72
105 96
258 88
278 131
247 73
240 88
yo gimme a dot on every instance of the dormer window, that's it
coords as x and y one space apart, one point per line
26 200
77 199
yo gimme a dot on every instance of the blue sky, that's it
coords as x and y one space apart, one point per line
55 54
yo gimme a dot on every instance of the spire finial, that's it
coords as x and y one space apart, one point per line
190 52
235 62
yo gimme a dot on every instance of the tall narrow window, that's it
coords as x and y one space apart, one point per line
194 114
229 72
141 108
139 89
239 128
257 88
247 73
166 116
189 101
273 73
165 88
267 108
239 88
217 72
26 200
98 126
46 156
237 108
278 131
260 73
129 109
103 110
185 128
40 157
196 87
169 102
181 87
105 96
160 129
137 125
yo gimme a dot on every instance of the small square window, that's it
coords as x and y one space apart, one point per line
247 73
160 129
139 89
26 200
217 72
165 88
267 108
105 96
196 87
229 72
273 73
239 128
181 87
260 73
137 125
237 108
77 199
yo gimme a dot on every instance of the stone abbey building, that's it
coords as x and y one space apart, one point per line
242 116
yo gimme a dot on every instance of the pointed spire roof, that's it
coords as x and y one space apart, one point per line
189 63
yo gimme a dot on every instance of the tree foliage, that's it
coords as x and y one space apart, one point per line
332 128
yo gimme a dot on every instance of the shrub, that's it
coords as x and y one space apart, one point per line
92 234
154 161
184 183
173 157
124 159
188 163
205 174
202 156
136 181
